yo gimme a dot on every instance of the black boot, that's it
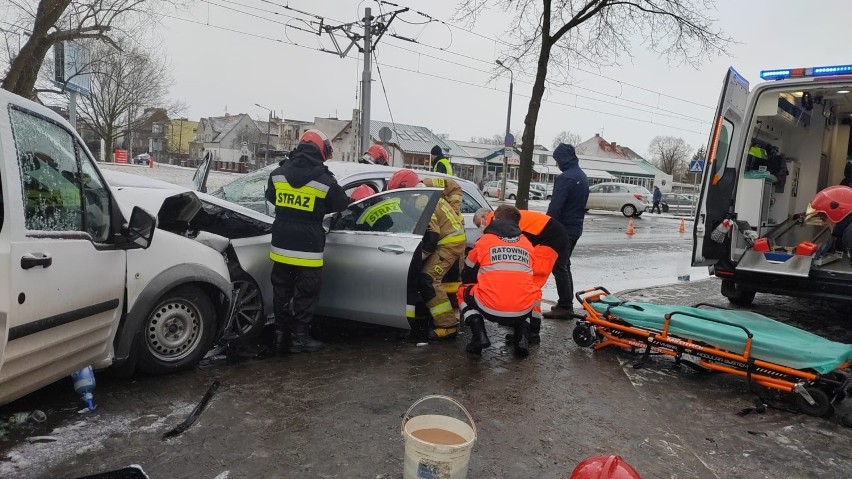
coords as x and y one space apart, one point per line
479 339
522 341
280 340
535 329
302 342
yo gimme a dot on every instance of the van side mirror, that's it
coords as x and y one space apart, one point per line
140 230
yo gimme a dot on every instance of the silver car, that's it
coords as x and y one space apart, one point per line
366 271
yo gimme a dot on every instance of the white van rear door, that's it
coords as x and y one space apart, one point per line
720 170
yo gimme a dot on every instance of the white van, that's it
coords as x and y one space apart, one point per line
770 151
84 279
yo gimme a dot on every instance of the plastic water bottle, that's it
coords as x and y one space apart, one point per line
84 384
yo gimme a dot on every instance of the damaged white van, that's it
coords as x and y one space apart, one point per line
770 151
84 280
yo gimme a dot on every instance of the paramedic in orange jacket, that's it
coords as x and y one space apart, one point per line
500 266
443 246
548 238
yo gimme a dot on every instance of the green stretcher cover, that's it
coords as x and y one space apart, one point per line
772 341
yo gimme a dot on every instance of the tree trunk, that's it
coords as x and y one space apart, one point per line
108 142
526 166
23 71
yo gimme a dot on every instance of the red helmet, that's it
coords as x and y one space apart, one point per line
605 467
404 178
835 202
376 154
318 139
362 192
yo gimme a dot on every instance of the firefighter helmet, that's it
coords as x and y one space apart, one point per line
604 467
404 178
835 202
362 192
318 139
376 154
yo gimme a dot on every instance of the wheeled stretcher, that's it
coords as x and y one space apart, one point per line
764 351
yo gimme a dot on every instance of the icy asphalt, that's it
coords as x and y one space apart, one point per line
337 413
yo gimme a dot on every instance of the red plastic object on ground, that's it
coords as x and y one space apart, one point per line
605 467
761 245
805 248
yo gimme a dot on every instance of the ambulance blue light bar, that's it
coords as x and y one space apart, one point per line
806 72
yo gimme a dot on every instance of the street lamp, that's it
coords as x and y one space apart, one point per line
268 126
508 122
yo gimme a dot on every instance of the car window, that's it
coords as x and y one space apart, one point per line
248 191
469 204
390 212
596 189
49 173
96 200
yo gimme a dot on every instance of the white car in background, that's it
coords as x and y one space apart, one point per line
492 190
546 190
631 200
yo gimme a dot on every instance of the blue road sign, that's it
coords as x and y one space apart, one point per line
510 140
696 166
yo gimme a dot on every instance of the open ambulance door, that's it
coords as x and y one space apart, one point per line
720 170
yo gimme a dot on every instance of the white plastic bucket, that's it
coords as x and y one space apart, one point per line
425 460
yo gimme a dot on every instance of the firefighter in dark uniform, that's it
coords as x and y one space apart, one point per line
303 191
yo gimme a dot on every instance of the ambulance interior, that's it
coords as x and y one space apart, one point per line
798 144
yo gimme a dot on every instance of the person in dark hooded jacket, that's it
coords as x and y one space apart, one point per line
568 207
303 191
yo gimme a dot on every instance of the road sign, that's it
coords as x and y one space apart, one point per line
696 166
385 134
510 140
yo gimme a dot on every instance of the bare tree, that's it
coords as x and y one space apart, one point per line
670 154
556 34
49 22
568 137
123 83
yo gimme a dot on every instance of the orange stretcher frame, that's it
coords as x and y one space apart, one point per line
813 390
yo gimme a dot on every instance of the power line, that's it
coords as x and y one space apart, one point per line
497 40
454 80
659 111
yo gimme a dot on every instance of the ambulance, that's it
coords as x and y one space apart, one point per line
771 149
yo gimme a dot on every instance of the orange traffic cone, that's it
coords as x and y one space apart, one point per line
630 230
682 227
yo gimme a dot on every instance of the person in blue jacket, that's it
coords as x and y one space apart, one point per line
658 197
568 207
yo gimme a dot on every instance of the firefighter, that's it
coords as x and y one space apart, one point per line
303 192
835 204
440 163
375 155
498 277
443 245
548 238
361 192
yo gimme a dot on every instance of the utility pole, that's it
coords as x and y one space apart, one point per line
366 81
508 123
374 29
268 126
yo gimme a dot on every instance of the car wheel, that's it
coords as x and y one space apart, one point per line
511 197
249 319
628 210
178 331
736 294
485 194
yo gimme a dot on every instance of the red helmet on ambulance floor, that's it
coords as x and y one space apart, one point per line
835 202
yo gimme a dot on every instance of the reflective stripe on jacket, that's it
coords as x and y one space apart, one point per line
540 229
503 261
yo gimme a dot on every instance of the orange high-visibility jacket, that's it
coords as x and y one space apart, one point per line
540 229
502 262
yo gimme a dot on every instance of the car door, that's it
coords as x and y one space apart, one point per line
720 170
64 281
615 197
595 200
368 253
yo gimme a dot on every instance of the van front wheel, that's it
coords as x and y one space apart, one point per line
736 294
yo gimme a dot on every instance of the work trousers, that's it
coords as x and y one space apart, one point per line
656 206
431 287
562 274
295 293
468 306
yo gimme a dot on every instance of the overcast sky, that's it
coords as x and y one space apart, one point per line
215 70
